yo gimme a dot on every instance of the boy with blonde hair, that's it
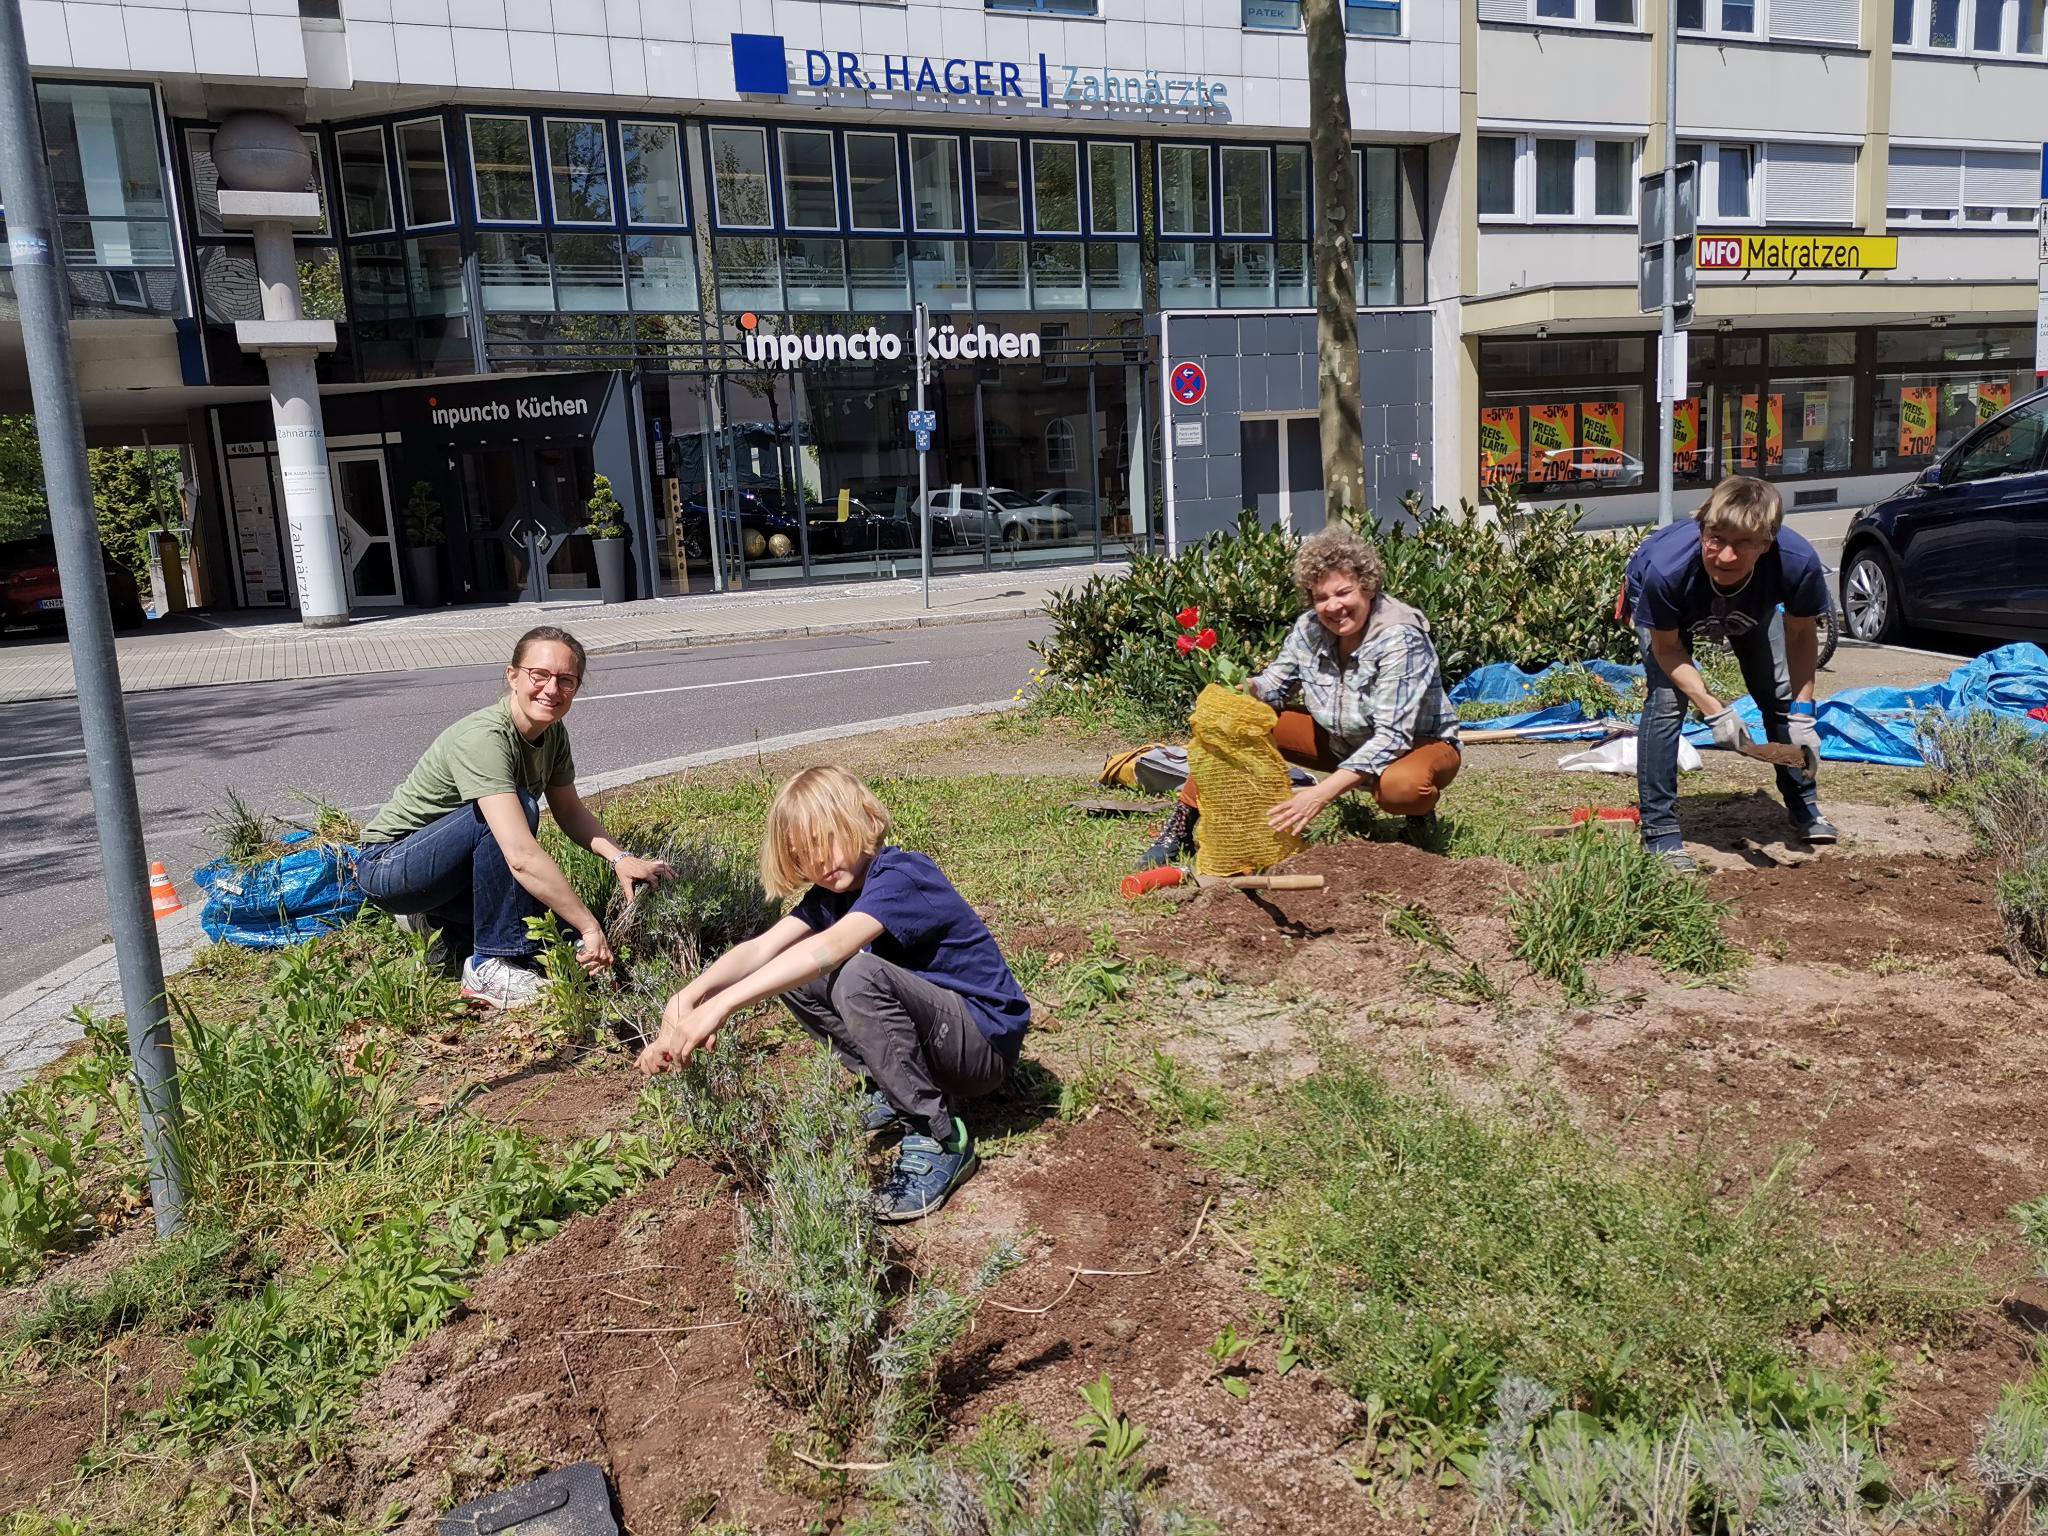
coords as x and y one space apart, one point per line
1723 576
883 959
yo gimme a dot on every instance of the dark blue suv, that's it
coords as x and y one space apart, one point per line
1965 546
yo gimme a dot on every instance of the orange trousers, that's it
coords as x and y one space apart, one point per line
1409 786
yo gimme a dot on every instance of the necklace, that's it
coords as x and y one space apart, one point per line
1734 591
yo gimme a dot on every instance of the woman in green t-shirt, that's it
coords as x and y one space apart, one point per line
456 840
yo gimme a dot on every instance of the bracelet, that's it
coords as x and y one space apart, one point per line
613 861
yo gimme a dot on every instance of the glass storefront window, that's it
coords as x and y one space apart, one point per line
810 198
1244 273
938 273
513 270
874 194
1055 188
433 276
1920 416
1382 190
999 275
1187 274
1113 277
1291 274
935 182
651 154
423 173
739 177
1245 192
1376 271
1955 344
661 273
1789 427
1056 275
1183 191
1559 439
1290 189
501 159
579 171
1813 349
878 274
589 273
1112 189
1594 356
998 186
814 274
749 272
365 181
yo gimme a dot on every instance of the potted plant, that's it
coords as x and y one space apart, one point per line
424 536
607 530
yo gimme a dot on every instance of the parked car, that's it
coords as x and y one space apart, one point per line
1079 503
964 516
1605 466
767 531
1964 547
30 593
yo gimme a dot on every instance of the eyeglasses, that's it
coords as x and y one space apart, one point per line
541 677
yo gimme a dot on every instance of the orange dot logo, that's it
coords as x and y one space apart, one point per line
749 321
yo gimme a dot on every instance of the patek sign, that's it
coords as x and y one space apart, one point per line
946 345
764 65
1798 253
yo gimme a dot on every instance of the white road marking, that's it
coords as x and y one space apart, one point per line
743 682
38 757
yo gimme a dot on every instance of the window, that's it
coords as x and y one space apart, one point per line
739 177
1245 193
1544 179
365 181
2013 448
874 194
1273 15
1727 180
1045 7
935 182
1825 21
998 186
1055 188
1362 18
1982 187
1290 188
1112 190
651 154
1572 13
2012 28
810 198
423 173
1184 190
1062 451
501 158
1737 17
579 171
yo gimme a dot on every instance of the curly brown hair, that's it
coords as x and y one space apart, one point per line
1338 549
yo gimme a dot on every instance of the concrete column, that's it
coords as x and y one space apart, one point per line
264 167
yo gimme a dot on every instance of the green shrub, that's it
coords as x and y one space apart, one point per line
1609 896
2023 904
1527 588
1994 771
714 902
2011 1461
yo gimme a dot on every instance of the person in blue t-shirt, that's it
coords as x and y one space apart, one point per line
900 975
1724 575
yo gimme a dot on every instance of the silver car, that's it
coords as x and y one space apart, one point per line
963 515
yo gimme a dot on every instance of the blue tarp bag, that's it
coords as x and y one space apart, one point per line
284 901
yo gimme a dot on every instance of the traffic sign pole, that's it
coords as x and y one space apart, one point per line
2041 283
1667 327
921 321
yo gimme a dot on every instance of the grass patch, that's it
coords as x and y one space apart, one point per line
1609 896
1430 1251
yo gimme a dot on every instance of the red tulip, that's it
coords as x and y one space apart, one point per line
1189 617
1184 643
1206 640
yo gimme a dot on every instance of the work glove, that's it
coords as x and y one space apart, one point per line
1805 733
1729 731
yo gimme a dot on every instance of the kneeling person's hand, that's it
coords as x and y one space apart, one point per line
684 1030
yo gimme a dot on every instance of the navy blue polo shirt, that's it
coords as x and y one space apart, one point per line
1668 585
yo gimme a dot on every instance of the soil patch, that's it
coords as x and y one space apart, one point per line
1854 909
59 1415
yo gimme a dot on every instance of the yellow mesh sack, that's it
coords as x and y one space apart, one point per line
1240 777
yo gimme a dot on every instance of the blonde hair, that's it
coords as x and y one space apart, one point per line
1338 549
814 809
1743 504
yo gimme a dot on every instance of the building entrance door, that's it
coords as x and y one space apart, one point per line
1283 471
523 511
369 542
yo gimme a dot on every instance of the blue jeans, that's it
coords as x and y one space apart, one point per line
1761 654
453 871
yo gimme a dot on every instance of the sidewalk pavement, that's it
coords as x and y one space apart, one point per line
261 647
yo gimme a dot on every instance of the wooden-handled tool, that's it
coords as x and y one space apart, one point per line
1171 875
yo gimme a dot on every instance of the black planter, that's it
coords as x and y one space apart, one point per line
423 576
611 568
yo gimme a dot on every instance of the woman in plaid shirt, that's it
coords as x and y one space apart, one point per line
1377 716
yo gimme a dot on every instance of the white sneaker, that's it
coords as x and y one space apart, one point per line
499 983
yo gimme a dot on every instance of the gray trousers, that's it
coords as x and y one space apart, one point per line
916 1040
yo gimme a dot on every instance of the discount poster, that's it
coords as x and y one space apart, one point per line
1600 424
1763 426
1916 422
1500 445
1685 436
1550 439
1993 396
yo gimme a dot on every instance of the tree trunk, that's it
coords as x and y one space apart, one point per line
1329 139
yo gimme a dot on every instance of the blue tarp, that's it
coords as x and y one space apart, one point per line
285 901
1859 725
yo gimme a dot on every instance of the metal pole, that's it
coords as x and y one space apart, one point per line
45 307
922 320
1667 333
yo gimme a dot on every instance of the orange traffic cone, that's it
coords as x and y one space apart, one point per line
163 896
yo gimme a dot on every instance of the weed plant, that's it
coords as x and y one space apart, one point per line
1428 1251
1609 896
175 1284
1994 772
2011 1460
2033 1220
2023 907
714 902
